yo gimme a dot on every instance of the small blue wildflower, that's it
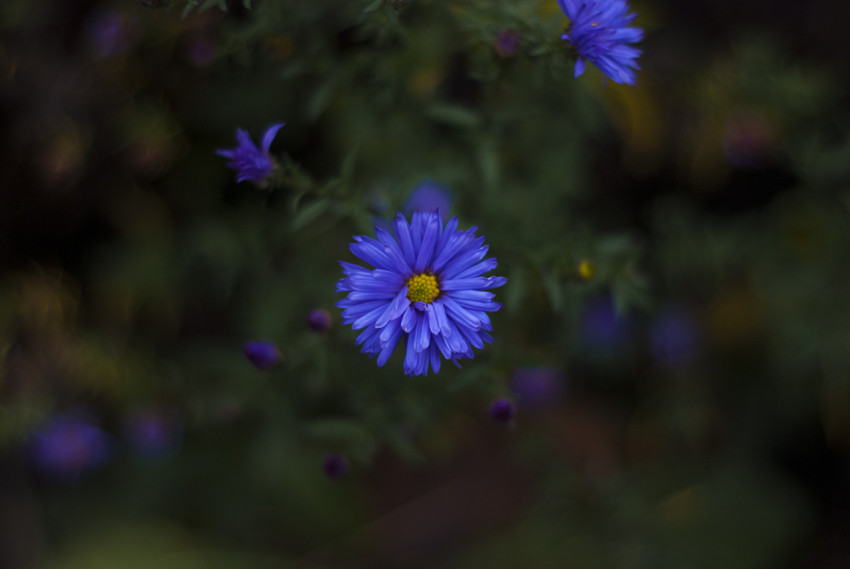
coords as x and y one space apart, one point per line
68 446
251 163
599 33
426 289
502 410
429 196
262 354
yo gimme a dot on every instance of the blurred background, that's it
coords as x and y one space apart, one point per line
674 345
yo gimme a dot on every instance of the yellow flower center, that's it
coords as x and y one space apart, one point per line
422 288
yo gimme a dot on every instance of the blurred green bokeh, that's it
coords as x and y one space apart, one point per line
677 255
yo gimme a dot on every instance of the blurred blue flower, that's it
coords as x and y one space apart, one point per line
536 388
262 354
109 33
335 465
429 196
68 446
502 410
674 335
601 328
251 163
426 289
599 33
153 432
507 43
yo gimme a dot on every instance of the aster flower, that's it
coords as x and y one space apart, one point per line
250 162
426 290
599 33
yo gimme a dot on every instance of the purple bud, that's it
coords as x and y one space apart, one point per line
502 410
507 43
262 354
335 465
68 446
153 432
319 320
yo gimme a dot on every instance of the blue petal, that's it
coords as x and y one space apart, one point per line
268 137
579 67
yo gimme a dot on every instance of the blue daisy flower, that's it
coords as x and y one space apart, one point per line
599 33
426 290
251 163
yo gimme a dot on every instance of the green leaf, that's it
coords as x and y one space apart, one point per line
373 7
348 166
321 99
188 9
553 289
247 4
515 289
392 16
454 115
542 49
308 213
488 161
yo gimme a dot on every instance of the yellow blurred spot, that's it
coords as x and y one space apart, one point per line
547 8
586 270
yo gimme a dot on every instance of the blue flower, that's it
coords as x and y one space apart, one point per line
426 290
68 447
250 162
599 33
